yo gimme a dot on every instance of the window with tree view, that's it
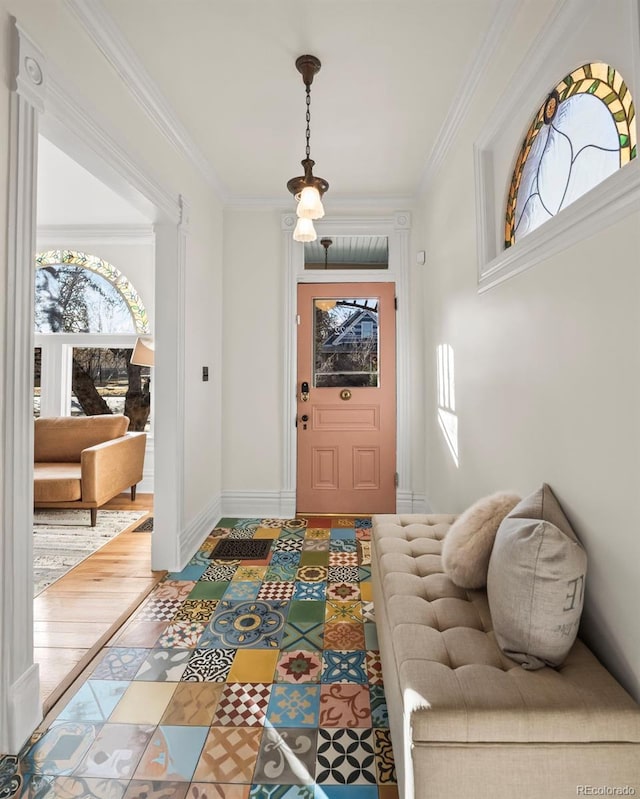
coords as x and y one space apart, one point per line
77 296
345 343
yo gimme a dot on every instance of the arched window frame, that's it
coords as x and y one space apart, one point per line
57 348
121 283
567 37
595 78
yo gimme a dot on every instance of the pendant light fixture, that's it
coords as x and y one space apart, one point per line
326 243
307 189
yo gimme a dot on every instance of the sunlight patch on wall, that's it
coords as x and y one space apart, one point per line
447 418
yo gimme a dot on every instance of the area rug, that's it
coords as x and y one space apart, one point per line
145 527
64 538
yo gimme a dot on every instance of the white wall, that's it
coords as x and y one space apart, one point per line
254 271
547 366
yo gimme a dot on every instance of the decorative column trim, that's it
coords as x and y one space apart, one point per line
20 709
402 227
291 250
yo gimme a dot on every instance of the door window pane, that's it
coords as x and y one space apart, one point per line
37 371
345 336
104 381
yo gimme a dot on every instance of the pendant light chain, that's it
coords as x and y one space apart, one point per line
308 148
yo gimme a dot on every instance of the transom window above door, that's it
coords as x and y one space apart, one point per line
347 252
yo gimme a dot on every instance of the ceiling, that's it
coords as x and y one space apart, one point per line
390 70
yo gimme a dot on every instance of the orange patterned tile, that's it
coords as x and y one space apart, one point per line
229 755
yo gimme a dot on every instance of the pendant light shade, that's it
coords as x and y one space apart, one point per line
310 205
305 230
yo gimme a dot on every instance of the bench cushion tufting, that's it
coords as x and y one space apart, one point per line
456 684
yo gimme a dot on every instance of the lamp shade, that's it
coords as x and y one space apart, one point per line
310 205
144 352
305 230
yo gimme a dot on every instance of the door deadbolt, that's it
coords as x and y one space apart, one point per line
304 391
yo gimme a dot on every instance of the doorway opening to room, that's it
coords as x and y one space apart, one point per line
94 278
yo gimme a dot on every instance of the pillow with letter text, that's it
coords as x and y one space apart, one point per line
535 583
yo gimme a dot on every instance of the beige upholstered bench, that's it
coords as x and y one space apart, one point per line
466 721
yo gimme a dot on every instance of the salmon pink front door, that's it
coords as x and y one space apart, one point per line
346 398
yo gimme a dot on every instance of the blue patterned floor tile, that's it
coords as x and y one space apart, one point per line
317 591
362 523
119 663
62 748
172 753
339 666
191 572
242 590
281 558
257 625
379 715
343 545
95 701
343 532
294 706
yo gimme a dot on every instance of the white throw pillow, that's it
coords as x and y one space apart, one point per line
536 582
468 543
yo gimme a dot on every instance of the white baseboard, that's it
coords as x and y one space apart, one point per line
410 502
25 710
282 504
259 504
197 530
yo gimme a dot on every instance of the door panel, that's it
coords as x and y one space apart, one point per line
346 430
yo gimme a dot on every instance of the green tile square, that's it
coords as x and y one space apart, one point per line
205 589
227 522
303 636
306 611
312 558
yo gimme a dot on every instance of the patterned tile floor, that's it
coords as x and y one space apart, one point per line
238 679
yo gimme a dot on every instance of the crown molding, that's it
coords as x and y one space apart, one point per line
461 103
285 204
113 234
109 39
94 132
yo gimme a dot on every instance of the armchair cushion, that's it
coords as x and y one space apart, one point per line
57 482
61 439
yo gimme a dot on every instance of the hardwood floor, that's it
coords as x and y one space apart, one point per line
79 613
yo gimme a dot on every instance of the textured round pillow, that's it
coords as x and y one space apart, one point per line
468 543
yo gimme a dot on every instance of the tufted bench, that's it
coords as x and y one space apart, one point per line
466 721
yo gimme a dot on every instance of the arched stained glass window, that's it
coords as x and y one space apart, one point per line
584 131
80 293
